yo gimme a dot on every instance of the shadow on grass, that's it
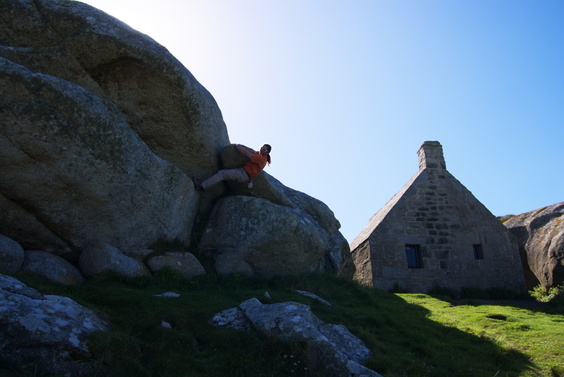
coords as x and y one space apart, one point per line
411 344
404 341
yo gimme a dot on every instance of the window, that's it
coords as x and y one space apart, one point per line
413 256
478 251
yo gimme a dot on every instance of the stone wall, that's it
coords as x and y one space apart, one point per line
458 241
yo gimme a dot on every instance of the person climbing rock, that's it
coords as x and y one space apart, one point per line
246 173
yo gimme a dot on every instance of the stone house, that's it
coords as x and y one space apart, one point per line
435 233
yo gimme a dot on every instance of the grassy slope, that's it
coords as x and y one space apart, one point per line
409 334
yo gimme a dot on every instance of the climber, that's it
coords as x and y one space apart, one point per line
246 173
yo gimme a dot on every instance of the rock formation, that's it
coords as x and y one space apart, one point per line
540 234
105 122
275 231
73 171
102 133
50 331
332 347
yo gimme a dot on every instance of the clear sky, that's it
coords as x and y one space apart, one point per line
346 91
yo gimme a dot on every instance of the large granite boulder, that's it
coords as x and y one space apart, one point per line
540 234
49 331
102 132
255 236
72 171
161 100
272 229
102 129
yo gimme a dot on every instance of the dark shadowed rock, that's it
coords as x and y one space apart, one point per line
255 236
541 244
49 331
99 258
51 267
185 263
331 346
339 259
11 255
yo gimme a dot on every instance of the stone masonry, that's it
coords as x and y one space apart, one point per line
435 233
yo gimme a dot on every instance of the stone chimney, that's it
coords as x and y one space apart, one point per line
431 156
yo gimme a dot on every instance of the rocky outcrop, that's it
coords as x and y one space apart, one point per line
106 122
272 229
332 347
540 234
267 187
95 259
255 236
102 132
162 102
49 331
72 171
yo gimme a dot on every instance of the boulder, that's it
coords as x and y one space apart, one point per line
254 236
540 234
51 332
101 258
139 254
161 100
98 180
106 122
272 229
339 259
11 255
102 132
333 347
185 263
52 267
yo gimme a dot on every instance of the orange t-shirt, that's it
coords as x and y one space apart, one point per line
255 165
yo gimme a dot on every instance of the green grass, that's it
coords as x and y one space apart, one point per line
409 334
521 331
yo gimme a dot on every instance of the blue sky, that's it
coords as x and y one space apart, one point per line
346 91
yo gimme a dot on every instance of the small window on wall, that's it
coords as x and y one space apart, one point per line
478 251
413 256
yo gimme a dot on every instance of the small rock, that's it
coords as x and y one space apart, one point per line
168 294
